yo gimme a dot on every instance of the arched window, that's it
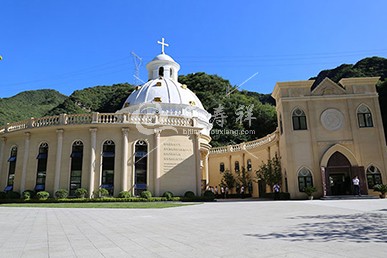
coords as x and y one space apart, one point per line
221 167
280 124
364 116
304 179
140 167
171 72
299 119
236 166
374 177
42 167
161 71
11 169
76 167
249 167
108 154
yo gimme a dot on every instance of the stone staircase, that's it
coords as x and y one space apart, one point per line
349 197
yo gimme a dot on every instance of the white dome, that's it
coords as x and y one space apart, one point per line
163 90
164 95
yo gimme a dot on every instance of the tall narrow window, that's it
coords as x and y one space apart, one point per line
236 166
374 177
249 167
304 179
280 124
108 155
299 119
11 169
364 117
42 167
221 167
140 167
76 167
161 71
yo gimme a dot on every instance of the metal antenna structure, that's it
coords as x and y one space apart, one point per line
137 63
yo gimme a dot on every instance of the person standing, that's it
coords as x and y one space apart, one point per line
276 189
242 192
356 186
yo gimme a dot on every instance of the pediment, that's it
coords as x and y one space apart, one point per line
328 87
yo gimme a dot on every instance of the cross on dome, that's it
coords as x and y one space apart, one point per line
162 45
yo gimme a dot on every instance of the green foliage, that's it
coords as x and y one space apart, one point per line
228 180
189 194
270 172
212 90
209 194
80 193
124 194
43 195
28 194
168 195
309 190
28 104
101 193
12 195
146 194
2 195
243 178
104 99
381 188
61 193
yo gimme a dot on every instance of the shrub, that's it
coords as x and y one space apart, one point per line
2 195
101 193
124 194
168 195
209 194
43 195
12 195
146 194
189 194
61 193
28 194
80 193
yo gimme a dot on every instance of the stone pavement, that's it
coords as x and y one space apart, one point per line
345 228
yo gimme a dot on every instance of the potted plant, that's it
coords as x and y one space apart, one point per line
309 190
382 189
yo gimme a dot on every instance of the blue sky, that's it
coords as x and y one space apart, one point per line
70 45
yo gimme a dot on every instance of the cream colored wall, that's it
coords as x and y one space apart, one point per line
257 156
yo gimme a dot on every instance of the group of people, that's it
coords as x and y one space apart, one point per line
224 191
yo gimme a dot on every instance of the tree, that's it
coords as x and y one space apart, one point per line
270 172
228 180
244 178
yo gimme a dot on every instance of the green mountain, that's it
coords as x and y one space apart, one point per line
103 99
27 104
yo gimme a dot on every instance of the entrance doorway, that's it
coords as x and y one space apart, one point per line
338 175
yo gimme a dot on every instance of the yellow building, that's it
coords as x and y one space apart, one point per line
328 134
158 141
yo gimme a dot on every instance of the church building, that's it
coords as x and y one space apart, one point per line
159 141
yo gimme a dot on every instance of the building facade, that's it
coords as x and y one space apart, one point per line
328 133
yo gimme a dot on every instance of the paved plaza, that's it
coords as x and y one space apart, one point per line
344 228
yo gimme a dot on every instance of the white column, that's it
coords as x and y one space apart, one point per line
197 164
156 167
124 183
25 161
59 135
3 142
93 145
206 168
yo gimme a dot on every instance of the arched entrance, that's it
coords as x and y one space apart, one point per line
337 173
